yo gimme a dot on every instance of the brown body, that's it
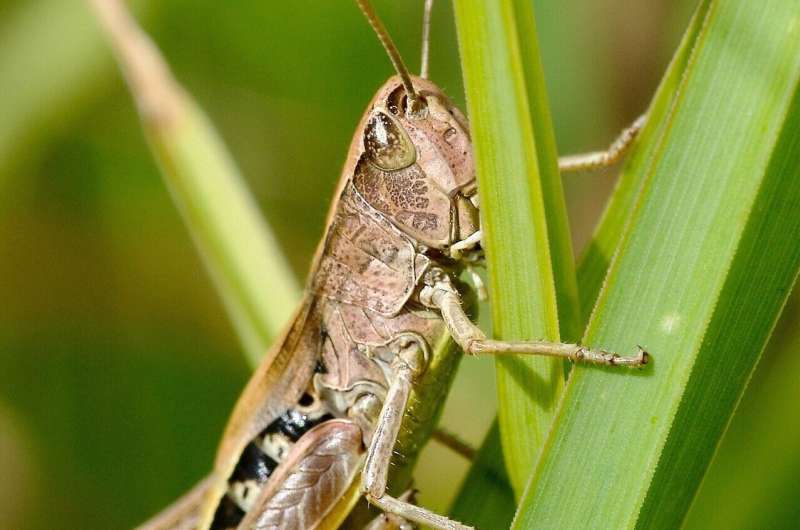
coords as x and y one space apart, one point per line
402 202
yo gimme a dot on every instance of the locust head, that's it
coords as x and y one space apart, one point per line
414 161
416 164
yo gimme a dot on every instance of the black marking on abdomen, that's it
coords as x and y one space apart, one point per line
294 424
255 466
228 515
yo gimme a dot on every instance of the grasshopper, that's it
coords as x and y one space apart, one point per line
345 399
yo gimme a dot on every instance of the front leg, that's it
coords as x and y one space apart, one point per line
408 364
444 297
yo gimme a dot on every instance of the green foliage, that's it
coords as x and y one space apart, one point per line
486 499
594 262
691 281
239 250
45 44
732 162
592 266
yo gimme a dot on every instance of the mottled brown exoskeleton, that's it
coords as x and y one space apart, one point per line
357 380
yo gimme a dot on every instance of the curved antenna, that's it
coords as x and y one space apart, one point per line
426 39
391 50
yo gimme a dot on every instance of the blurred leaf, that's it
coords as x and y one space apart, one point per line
244 260
50 57
126 455
691 281
485 499
247 266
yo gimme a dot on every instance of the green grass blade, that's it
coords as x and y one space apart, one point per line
737 328
594 261
692 281
521 285
483 480
244 260
594 265
555 207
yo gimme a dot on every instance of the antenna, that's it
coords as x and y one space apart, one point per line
426 39
414 99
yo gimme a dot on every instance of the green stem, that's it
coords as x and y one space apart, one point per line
244 260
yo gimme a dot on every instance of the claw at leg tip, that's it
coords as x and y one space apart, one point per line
644 357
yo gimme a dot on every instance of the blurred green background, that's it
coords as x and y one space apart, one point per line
118 365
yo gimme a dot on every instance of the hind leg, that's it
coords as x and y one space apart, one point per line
390 521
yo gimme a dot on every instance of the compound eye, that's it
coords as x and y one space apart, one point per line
386 143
